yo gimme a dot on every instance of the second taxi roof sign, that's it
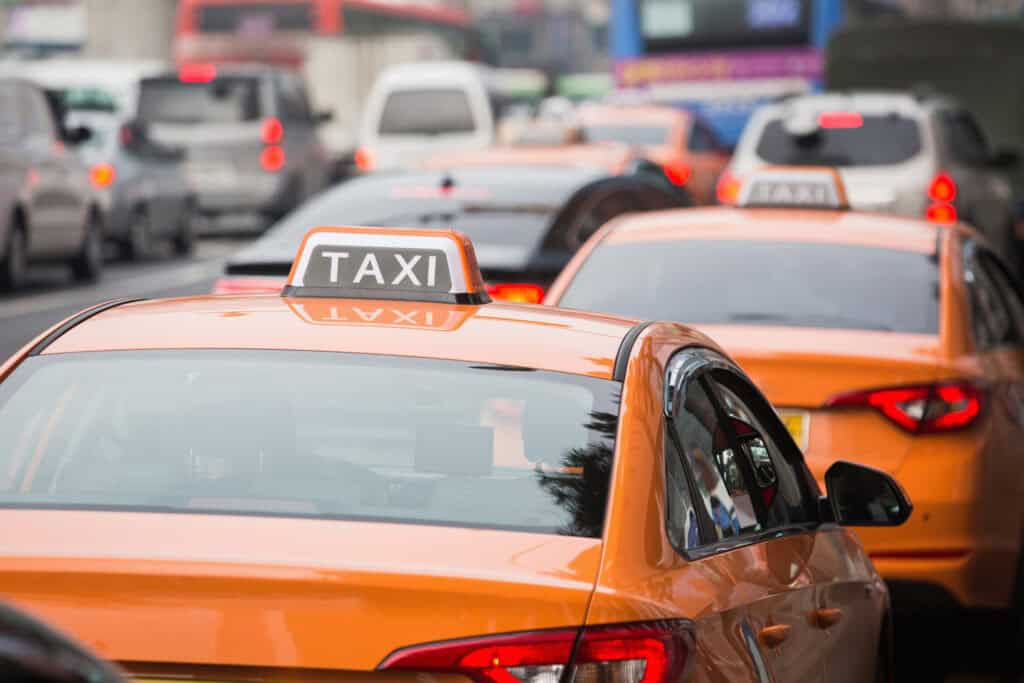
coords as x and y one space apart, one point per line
387 263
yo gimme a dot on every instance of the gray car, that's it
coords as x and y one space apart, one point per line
49 211
251 138
141 185
922 156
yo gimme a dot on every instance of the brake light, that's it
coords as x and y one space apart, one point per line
678 172
655 652
364 159
942 188
517 293
272 132
197 73
920 409
941 214
728 189
840 119
272 159
248 285
102 175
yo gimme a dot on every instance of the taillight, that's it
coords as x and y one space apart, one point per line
655 652
941 214
942 188
248 285
840 119
920 409
677 172
272 131
518 293
728 190
272 159
102 175
364 159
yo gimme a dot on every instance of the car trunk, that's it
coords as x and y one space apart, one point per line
146 589
800 372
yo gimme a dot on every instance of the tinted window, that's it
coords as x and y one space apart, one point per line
310 434
714 465
701 139
256 17
995 306
966 141
766 283
880 141
39 116
1009 291
293 101
627 134
426 112
225 100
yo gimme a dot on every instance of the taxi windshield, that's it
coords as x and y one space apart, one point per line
327 435
789 284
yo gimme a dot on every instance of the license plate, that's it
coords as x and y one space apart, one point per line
798 423
211 176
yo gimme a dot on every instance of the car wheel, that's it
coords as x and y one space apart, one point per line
88 264
139 244
185 238
15 260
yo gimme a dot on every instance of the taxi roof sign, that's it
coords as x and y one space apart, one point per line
794 188
397 264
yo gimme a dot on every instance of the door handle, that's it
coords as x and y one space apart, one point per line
773 636
826 617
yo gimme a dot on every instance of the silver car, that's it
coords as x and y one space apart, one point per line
251 139
922 156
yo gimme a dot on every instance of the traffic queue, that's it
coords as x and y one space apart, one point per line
523 413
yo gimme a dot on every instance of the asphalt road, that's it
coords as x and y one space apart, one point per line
52 296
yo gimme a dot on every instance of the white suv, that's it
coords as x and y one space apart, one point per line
897 153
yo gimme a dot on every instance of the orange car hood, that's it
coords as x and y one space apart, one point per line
265 591
806 366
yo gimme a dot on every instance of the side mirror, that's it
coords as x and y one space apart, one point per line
322 117
864 496
78 135
1005 158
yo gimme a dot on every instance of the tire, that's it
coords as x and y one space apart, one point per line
138 246
185 239
87 265
14 265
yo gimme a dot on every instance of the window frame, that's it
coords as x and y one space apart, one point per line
978 258
696 364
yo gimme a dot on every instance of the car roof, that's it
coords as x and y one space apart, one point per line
779 225
863 101
609 113
537 337
608 157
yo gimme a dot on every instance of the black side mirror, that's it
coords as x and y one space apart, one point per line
1005 158
322 117
864 496
78 135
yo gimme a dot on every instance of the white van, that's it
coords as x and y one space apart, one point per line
415 110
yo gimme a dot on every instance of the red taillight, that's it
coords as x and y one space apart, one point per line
921 409
518 293
728 190
364 159
272 131
942 189
840 119
655 652
197 73
102 175
941 214
248 285
272 159
677 172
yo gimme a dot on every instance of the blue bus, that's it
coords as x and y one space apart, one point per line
723 57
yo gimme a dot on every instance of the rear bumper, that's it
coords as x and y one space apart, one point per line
264 193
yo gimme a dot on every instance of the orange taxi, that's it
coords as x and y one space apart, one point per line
379 474
681 142
890 341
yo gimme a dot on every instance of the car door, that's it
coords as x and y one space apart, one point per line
766 559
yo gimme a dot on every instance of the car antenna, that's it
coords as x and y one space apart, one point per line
447 182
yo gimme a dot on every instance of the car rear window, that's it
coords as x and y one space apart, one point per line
762 283
627 134
878 141
228 99
426 112
324 435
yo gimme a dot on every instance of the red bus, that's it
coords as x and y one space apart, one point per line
276 31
